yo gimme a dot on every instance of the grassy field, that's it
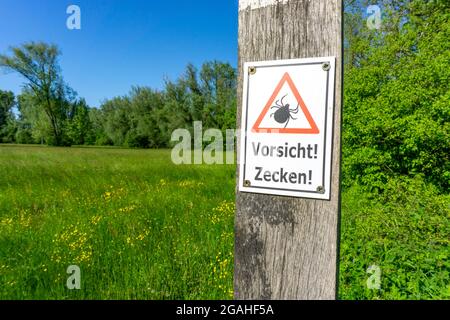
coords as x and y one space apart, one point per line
138 226
141 227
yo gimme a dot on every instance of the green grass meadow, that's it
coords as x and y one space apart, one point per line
140 227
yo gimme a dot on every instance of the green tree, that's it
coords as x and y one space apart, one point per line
8 124
146 118
218 87
97 134
38 64
79 125
146 130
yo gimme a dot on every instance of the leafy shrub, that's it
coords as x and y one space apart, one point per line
396 119
405 231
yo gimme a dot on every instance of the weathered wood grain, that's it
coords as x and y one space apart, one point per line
287 248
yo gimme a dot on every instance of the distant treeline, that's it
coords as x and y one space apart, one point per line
144 118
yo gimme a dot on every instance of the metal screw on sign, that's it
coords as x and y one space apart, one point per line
326 66
247 183
320 189
251 70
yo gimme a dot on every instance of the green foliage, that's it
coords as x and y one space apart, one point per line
6 104
33 123
405 232
146 118
38 64
395 169
115 116
396 103
79 127
396 146
24 136
97 134
7 123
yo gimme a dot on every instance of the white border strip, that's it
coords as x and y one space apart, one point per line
255 4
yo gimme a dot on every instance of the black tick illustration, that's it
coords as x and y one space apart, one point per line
283 114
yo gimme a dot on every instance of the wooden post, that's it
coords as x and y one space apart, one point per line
287 248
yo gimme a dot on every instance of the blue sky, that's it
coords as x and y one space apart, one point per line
122 42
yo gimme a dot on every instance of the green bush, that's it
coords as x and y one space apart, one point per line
396 119
405 231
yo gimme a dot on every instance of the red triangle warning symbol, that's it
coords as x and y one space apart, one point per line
283 114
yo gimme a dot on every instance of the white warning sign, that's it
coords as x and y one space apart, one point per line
287 127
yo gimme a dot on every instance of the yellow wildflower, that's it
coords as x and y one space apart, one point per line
96 219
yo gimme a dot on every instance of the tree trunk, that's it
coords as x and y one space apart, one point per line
287 248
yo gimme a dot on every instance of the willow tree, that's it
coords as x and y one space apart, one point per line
38 64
